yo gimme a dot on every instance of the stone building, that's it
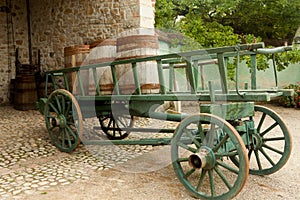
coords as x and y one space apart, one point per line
57 24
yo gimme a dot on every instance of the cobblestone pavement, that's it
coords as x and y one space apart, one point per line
31 168
29 163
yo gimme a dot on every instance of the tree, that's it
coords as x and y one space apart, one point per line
274 21
214 23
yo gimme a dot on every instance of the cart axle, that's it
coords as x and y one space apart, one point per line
204 159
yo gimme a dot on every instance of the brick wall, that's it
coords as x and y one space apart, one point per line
57 24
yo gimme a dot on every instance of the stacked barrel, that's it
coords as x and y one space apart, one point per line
137 46
102 51
75 57
127 46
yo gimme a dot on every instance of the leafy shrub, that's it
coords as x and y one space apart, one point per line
292 101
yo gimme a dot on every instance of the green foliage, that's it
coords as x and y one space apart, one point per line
213 23
164 14
208 35
293 101
272 20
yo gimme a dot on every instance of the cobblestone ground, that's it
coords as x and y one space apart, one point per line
29 163
31 168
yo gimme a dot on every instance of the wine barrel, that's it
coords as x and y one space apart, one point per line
138 46
25 93
75 56
102 51
12 91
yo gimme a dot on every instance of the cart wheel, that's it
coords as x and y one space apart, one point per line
270 147
114 126
200 148
63 120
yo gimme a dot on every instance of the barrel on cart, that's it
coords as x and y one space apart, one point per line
212 151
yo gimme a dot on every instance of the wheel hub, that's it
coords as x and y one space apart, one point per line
204 159
257 141
59 121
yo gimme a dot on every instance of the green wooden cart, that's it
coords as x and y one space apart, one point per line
213 150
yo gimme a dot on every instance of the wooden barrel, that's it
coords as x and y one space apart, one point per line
102 51
41 89
74 57
137 46
25 94
12 91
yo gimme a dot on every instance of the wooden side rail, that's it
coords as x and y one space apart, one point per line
191 61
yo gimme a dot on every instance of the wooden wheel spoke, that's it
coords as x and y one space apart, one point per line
114 127
68 138
50 116
223 177
121 122
267 157
262 119
63 104
56 135
52 128
179 160
191 149
110 123
194 139
58 104
258 160
212 182
103 119
269 129
70 123
227 167
273 149
211 135
222 142
69 105
62 138
200 182
70 130
53 107
226 154
274 139
190 172
201 132
250 153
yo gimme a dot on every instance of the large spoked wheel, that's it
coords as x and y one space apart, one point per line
63 120
116 126
200 149
271 144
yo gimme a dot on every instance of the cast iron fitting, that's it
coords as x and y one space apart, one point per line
257 141
196 161
204 159
62 121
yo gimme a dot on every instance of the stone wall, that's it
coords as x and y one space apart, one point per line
12 35
59 24
56 24
3 57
